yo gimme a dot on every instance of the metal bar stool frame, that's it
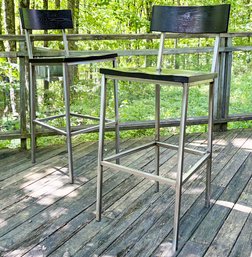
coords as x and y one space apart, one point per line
190 19
32 19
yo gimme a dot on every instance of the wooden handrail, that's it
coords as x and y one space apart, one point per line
222 92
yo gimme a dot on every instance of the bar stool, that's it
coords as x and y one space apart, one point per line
193 20
56 20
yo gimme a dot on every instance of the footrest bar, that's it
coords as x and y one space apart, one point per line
84 116
130 151
63 132
94 128
139 173
50 127
85 130
74 115
195 167
186 149
51 117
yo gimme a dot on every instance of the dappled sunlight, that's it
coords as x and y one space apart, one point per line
81 180
55 213
38 189
68 188
46 200
106 255
62 169
41 172
195 190
247 149
49 180
237 142
221 143
50 199
165 249
3 223
39 185
242 208
19 253
13 254
225 203
231 205
36 176
198 143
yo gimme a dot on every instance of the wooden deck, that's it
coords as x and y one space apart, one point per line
41 214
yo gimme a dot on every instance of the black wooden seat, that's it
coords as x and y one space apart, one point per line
56 20
189 19
75 60
151 73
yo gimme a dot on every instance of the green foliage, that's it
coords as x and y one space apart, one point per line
241 93
136 100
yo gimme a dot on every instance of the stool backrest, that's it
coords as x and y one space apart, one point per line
190 19
45 20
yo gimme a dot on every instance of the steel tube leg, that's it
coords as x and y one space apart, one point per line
157 131
68 122
180 166
209 147
117 131
101 149
32 111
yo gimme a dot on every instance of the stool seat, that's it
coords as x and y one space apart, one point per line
165 75
72 59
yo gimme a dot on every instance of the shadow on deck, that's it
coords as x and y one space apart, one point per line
41 214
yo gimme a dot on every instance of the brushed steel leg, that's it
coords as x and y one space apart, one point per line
157 131
68 122
101 149
32 86
117 130
209 147
180 166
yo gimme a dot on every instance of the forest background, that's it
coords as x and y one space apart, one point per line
120 17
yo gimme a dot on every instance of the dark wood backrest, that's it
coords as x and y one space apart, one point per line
45 19
190 19
32 19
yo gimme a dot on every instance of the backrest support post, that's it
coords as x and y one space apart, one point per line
65 42
28 43
215 54
160 52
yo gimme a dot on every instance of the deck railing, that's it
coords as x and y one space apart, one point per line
222 91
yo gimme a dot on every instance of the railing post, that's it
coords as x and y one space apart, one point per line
222 89
23 100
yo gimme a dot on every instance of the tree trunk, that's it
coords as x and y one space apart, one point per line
9 25
1 30
57 4
73 5
77 15
9 22
24 3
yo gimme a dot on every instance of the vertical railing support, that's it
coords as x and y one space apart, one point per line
222 90
23 99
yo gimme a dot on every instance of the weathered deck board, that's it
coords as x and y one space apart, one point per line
159 231
41 214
